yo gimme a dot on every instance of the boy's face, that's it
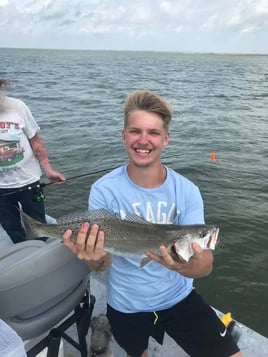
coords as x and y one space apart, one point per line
144 138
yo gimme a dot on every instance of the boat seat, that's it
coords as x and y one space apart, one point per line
40 284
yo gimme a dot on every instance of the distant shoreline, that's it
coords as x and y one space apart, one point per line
139 51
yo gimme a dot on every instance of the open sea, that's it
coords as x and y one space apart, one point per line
220 105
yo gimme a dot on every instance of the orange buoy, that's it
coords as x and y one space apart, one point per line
213 156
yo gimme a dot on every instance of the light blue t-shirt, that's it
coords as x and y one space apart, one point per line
177 201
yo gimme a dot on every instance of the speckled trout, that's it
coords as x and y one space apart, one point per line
131 237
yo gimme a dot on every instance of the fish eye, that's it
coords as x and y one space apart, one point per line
202 234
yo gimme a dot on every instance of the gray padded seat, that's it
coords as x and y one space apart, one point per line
40 284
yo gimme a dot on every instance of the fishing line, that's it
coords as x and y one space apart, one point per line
82 175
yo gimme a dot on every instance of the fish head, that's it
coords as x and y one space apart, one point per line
205 236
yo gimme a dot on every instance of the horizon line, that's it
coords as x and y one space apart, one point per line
138 50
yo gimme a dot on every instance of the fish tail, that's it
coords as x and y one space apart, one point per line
31 226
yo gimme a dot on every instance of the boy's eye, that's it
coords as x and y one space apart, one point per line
154 133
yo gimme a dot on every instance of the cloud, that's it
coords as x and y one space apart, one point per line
160 23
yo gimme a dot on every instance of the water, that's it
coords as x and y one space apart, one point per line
220 104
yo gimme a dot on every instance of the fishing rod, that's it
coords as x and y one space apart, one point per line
44 184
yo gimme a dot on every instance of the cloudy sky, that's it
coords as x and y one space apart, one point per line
237 26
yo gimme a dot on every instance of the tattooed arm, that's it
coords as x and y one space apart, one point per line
40 152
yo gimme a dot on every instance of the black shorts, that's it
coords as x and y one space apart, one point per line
192 323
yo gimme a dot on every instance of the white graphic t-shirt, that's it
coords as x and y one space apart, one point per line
18 164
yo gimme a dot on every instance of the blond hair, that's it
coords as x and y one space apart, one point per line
150 102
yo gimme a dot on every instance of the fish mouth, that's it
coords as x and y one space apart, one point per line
213 240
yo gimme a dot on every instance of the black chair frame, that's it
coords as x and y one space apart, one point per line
81 317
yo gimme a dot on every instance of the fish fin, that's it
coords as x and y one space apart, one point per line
131 217
144 261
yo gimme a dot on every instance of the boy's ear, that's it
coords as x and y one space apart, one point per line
123 136
166 139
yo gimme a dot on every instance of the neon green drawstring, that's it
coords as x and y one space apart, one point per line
156 318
